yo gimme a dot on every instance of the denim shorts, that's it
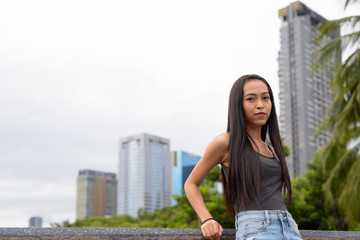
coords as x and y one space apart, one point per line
266 224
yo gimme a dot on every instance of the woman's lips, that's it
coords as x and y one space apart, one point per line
260 114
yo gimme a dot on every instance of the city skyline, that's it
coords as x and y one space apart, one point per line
78 75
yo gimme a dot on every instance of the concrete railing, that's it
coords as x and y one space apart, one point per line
142 233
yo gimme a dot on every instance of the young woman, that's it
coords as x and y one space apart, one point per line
254 173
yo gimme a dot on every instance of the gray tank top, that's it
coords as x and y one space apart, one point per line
270 184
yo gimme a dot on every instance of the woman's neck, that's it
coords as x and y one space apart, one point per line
255 134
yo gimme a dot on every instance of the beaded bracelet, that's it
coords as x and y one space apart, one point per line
207 220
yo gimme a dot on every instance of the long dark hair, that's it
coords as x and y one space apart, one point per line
243 183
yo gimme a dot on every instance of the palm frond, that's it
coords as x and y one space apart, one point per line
332 50
350 195
336 180
343 114
326 55
340 55
330 154
347 2
328 28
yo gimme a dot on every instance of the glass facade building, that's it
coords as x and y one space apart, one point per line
144 174
183 163
35 222
304 93
96 194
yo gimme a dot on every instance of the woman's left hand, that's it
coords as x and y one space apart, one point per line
212 230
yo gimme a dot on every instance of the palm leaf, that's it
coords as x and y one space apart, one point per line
347 2
331 49
336 180
341 166
350 195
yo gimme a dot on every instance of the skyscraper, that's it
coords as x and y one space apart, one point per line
144 174
96 194
304 94
183 163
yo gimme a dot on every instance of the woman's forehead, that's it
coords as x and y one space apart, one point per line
255 86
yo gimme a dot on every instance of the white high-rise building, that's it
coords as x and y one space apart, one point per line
304 93
144 179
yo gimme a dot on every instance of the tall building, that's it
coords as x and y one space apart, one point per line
144 174
304 93
182 165
35 222
96 194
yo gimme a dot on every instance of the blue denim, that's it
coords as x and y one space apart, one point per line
266 224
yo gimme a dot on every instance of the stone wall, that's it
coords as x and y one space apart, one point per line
142 233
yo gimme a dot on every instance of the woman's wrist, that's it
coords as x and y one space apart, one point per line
208 219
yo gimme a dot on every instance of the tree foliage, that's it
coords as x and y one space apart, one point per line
308 206
339 158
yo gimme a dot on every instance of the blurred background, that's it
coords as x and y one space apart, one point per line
76 76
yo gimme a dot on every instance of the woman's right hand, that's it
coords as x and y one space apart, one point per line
211 230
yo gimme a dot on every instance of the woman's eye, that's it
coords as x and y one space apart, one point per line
250 99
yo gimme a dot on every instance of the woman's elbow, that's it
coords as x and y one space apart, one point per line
189 186
186 186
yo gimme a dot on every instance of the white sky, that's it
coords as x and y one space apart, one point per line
75 76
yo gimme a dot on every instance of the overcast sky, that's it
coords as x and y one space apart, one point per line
76 76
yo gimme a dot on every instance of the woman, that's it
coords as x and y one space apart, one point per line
254 173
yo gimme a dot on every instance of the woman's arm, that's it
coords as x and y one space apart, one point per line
214 154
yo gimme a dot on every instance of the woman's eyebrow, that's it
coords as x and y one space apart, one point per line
254 94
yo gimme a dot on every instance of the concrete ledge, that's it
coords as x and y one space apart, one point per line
142 233
314 235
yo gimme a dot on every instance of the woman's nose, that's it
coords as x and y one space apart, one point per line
260 104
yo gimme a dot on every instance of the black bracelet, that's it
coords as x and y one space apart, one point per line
207 220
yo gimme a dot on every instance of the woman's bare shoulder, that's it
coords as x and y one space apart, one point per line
222 140
219 147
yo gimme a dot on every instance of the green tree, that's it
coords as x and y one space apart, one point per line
308 201
340 158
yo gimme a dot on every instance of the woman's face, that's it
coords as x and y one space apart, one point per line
256 103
